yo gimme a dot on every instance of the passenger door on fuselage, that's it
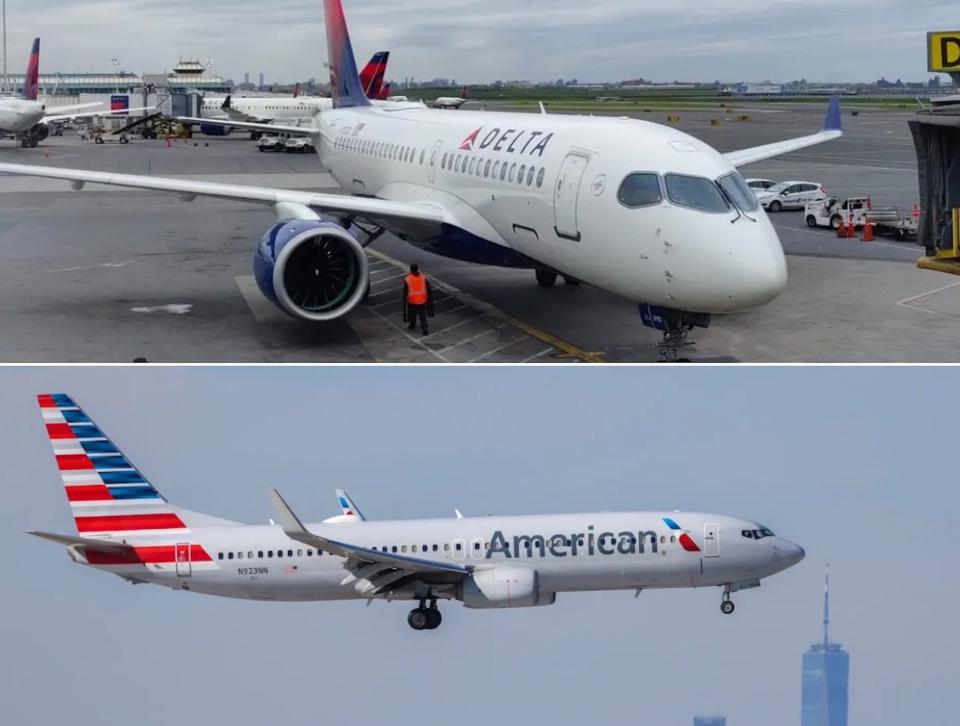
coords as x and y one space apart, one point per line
434 161
565 195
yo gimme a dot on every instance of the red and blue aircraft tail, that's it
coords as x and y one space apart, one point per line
345 86
371 77
108 495
31 81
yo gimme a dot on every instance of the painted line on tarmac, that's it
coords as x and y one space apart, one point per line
909 302
552 340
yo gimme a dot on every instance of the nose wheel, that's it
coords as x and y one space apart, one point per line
676 326
726 606
425 618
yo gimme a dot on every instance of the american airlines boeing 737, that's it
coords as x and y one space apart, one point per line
636 208
127 528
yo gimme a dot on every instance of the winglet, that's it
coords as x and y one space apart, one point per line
226 103
289 523
349 508
543 109
833 120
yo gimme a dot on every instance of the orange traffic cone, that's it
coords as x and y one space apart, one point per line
868 232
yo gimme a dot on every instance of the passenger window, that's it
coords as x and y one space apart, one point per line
433 157
513 172
269 553
523 168
639 190
456 164
473 163
229 555
695 192
219 555
413 548
486 169
663 539
540 177
503 171
403 548
673 538
530 176
446 547
443 163
476 545
299 553
424 548
435 548
260 554
423 153
289 553
239 555
496 169
459 546
394 548
309 553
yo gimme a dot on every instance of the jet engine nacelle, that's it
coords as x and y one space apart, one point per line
40 132
504 587
313 269
215 130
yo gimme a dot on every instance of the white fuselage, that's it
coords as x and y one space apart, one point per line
18 115
448 102
542 191
265 107
602 551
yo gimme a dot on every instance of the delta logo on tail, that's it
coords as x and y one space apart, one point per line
686 541
31 82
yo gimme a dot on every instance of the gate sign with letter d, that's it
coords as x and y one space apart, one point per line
943 52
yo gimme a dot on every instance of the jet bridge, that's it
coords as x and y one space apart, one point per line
936 137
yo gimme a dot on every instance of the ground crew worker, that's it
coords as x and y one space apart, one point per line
417 299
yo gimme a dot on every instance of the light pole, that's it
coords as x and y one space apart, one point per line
4 46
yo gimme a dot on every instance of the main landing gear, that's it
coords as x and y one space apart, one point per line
548 278
425 618
726 606
675 324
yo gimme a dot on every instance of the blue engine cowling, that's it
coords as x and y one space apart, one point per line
215 129
312 269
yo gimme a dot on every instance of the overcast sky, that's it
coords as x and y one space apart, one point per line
483 40
842 461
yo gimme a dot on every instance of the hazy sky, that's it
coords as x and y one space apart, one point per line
839 460
482 40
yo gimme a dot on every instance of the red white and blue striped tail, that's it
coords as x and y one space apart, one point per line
107 494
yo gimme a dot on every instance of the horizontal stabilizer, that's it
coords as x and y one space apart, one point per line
69 540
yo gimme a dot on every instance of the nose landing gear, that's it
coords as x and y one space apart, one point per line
675 324
425 618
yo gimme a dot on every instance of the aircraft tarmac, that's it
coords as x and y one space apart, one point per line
112 275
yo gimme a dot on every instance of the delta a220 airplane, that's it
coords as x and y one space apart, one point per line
635 208
126 527
27 119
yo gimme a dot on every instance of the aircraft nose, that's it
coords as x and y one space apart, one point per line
766 276
789 552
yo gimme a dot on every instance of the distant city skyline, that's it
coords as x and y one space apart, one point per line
826 675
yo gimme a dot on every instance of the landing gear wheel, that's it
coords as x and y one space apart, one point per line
775 206
726 607
546 278
571 280
419 619
434 618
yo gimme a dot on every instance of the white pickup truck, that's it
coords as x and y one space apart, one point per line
832 211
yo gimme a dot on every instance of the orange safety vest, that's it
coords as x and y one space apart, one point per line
416 289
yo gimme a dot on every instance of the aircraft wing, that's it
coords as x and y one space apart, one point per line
91 114
375 572
831 130
74 107
411 216
256 126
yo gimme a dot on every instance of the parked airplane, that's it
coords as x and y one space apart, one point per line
28 120
126 527
636 208
267 109
451 101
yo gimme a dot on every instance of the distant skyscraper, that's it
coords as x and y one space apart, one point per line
710 721
826 671
246 79
261 80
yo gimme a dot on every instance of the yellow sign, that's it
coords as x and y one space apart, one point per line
943 52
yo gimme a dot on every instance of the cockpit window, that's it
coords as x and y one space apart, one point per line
756 533
639 190
695 192
739 193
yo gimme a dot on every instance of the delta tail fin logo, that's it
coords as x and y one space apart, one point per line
685 540
467 143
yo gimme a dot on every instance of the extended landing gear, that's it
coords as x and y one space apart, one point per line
726 606
425 618
546 278
675 324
